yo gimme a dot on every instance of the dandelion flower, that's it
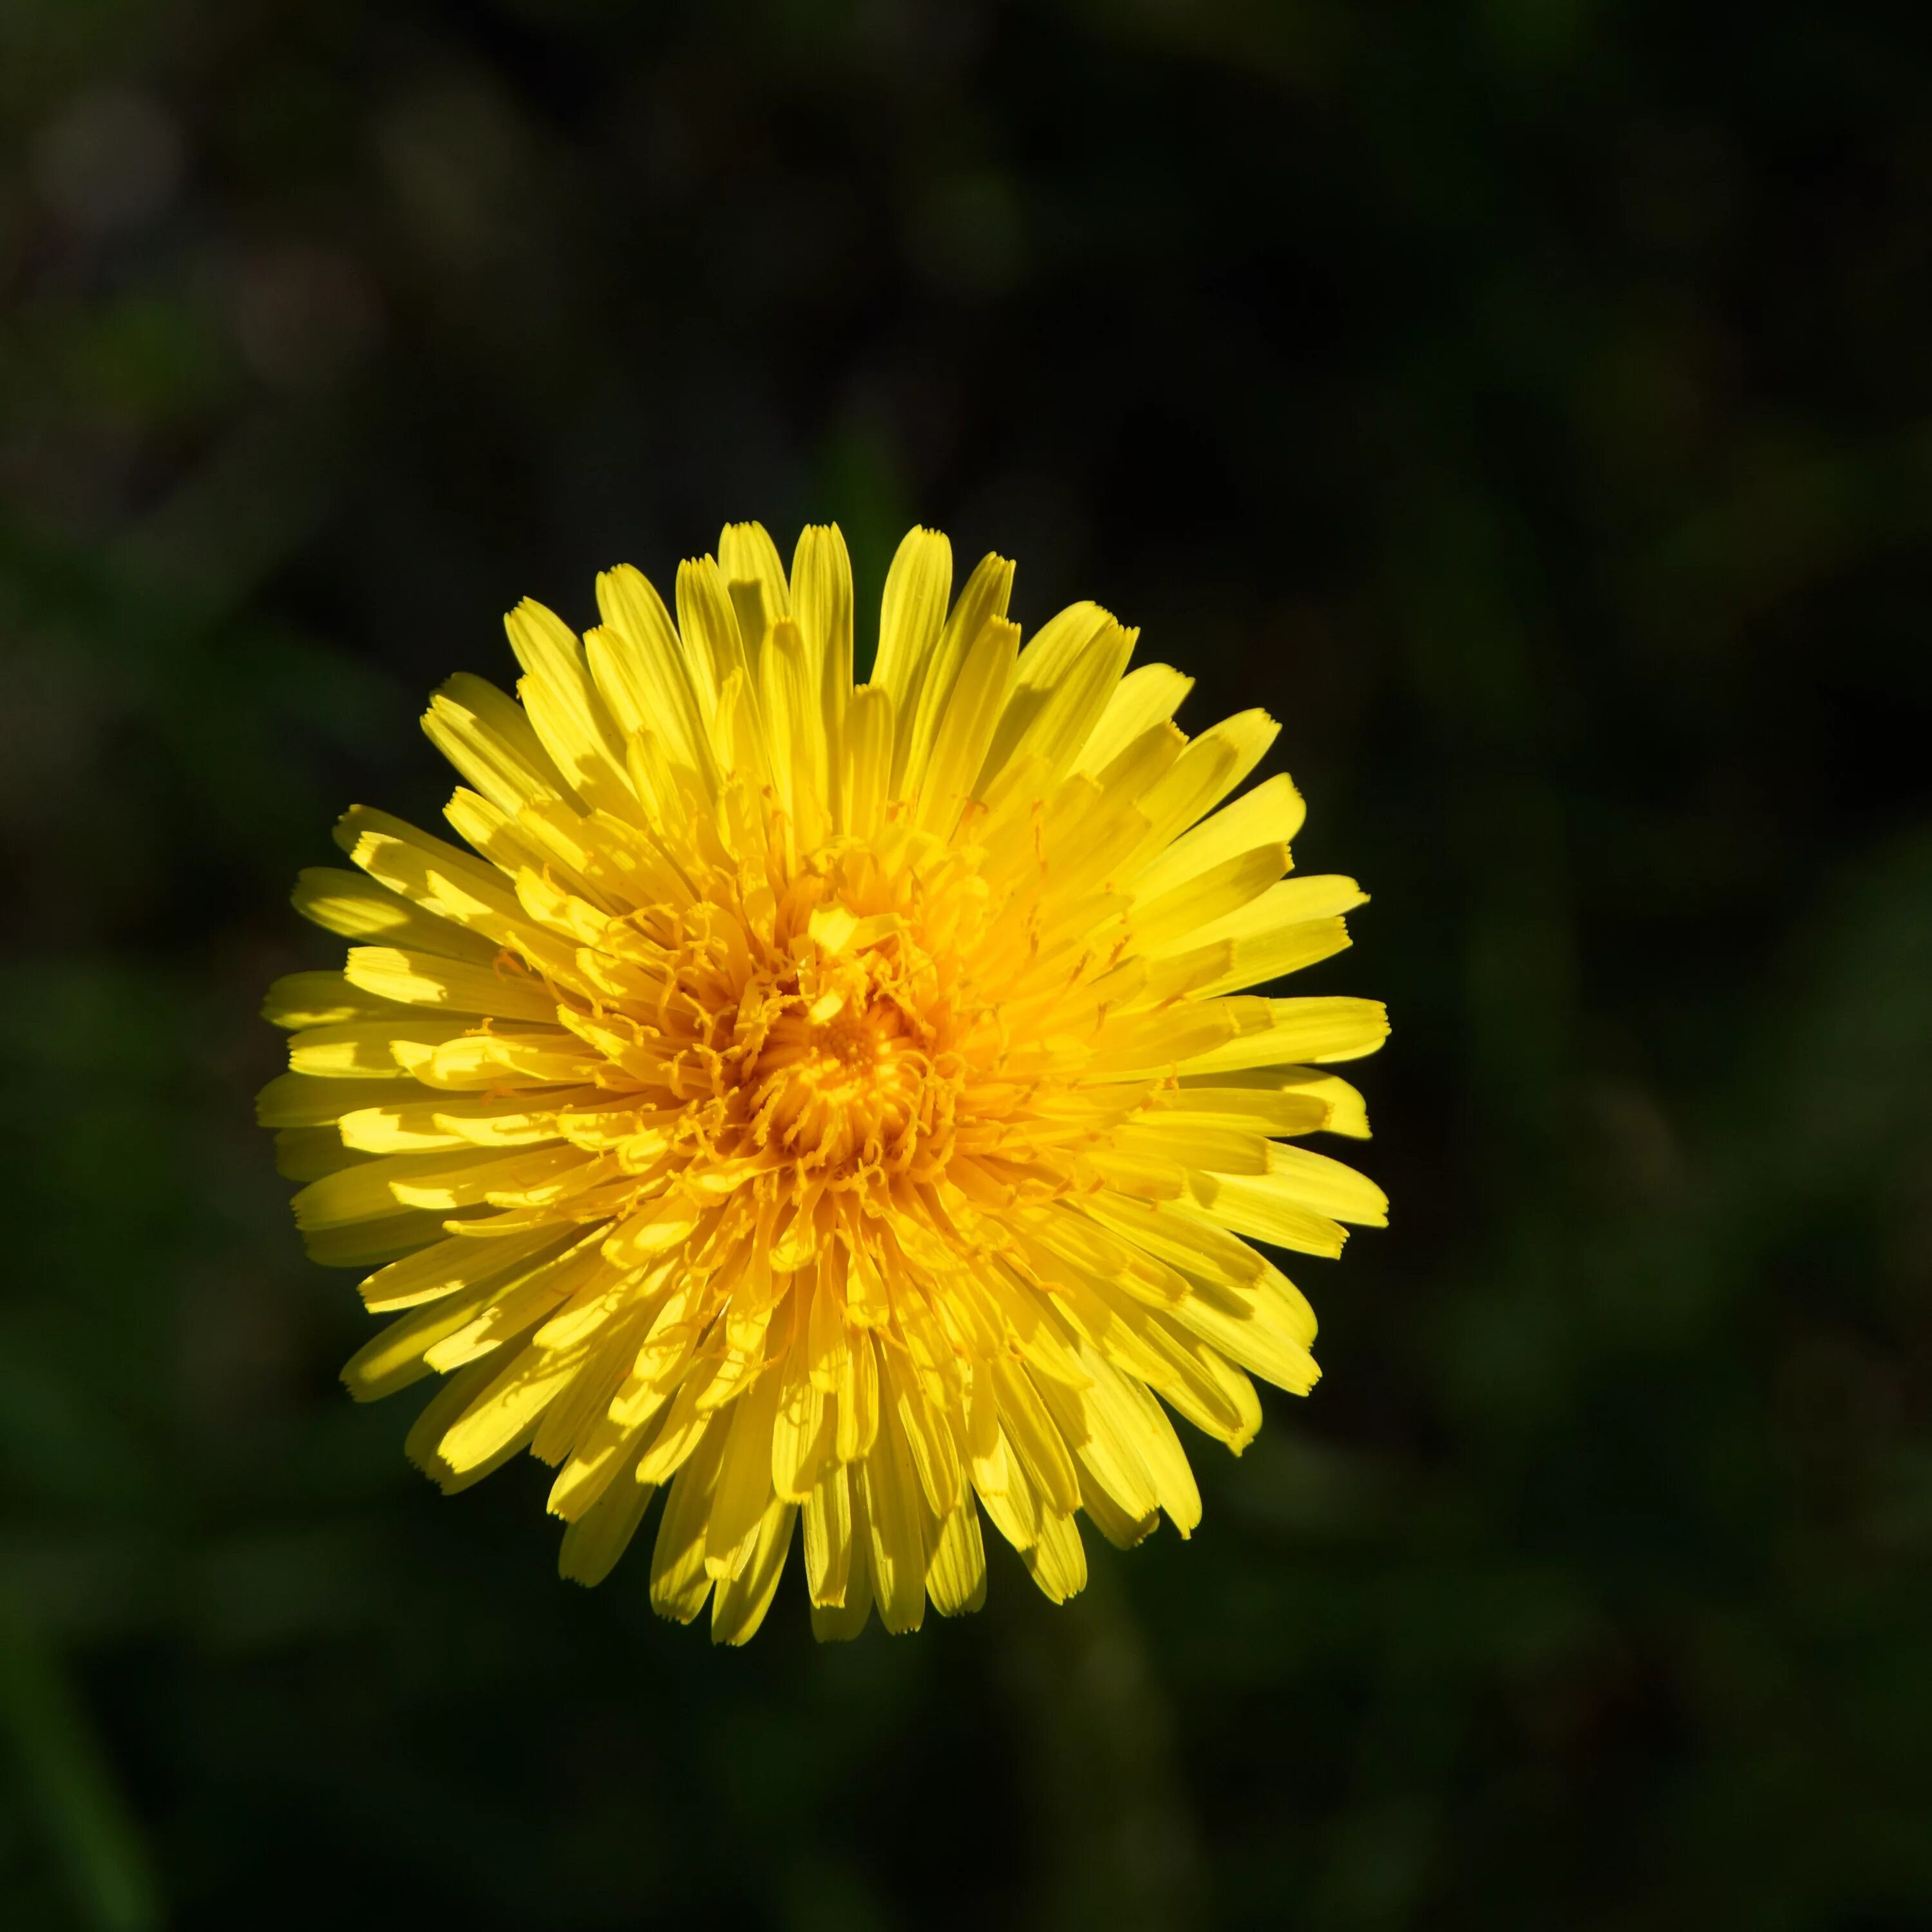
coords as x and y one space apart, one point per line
817 1100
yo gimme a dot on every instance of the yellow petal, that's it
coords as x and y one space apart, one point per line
744 1478
1318 1030
923 707
488 738
302 1000
449 1265
821 602
1206 896
455 985
367 1049
918 585
679 1582
1205 773
1057 1560
394 1358
1261 1207
1061 685
367 1191
742 1599
1029 1427
1143 699
838 1622
956 1577
747 555
507 1410
897 1515
358 908
959 748
642 670
828 1536
565 710
708 626
594 1542
1328 1186
867 761
1269 815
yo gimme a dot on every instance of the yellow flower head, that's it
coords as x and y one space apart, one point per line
827 1099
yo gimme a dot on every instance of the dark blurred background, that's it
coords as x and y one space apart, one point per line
1530 401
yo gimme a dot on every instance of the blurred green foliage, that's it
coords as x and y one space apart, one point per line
1531 402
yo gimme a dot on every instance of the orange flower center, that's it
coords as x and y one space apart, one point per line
836 1085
